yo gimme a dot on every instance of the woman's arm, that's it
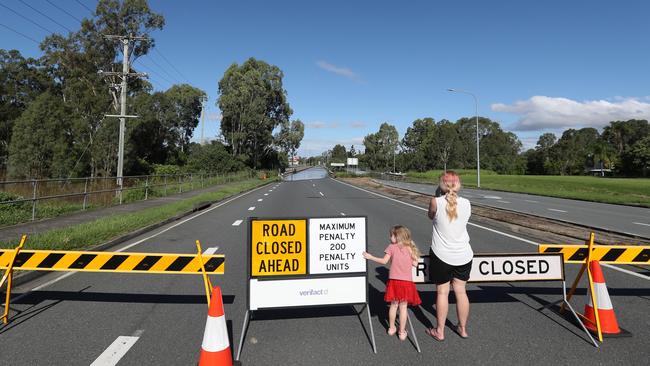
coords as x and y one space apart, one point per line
432 208
375 259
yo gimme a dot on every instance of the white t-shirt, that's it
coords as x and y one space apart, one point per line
450 240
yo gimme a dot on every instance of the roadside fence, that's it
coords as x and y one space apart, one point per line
22 200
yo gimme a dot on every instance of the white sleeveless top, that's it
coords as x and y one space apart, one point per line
450 240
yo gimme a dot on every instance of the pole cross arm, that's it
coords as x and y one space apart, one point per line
120 116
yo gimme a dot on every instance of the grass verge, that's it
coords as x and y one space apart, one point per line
90 234
624 191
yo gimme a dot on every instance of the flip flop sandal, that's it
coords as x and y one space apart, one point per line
403 335
457 331
433 332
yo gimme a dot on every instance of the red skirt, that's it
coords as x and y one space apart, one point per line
398 290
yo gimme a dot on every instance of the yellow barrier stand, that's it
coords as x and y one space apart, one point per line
119 262
206 280
584 254
8 276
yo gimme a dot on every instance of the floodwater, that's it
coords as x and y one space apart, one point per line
311 173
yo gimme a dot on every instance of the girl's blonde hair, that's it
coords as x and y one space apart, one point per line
450 185
403 236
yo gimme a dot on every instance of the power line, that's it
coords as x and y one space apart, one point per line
170 64
153 71
19 33
27 19
45 15
163 69
63 10
84 5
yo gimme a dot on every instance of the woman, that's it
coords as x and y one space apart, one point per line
451 254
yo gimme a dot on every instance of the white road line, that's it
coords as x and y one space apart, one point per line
342 213
260 199
313 185
640 223
493 230
112 355
321 193
237 222
556 210
504 201
210 250
266 194
531 201
63 276
251 208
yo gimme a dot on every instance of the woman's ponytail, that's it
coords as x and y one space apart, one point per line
450 185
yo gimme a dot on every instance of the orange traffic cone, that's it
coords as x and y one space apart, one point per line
608 323
215 349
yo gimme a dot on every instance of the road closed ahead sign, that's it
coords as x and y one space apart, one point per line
279 247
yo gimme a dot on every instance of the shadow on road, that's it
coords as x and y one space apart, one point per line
37 297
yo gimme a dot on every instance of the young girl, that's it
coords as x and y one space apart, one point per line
400 290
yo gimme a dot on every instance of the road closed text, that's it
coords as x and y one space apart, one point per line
525 267
278 247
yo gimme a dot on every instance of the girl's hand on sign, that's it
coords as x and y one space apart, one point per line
366 255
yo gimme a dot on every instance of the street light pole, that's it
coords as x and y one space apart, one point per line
478 159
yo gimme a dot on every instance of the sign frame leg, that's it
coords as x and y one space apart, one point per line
565 301
244 329
415 338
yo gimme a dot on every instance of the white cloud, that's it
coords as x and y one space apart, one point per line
214 116
343 71
358 124
541 112
320 125
313 147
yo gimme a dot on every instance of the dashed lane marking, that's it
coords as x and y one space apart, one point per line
251 208
556 210
237 222
504 201
112 355
531 201
640 223
342 213
260 199
211 250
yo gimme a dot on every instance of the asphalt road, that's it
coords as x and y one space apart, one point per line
619 218
74 320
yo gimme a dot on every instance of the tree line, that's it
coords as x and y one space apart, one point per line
623 148
52 108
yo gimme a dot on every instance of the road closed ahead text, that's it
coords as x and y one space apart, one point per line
278 247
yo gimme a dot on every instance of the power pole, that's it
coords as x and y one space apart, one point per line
123 86
204 104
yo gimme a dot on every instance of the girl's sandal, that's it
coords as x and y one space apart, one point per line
402 335
392 331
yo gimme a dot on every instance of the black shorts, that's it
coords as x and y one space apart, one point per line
441 272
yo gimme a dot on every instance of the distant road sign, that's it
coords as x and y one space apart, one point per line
353 161
337 164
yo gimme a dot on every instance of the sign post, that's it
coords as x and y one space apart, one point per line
306 262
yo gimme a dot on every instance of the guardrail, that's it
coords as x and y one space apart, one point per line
105 191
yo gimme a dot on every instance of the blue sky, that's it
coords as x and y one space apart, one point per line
535 67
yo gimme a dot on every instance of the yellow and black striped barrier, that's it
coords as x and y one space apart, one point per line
620 254
159 263
120 262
